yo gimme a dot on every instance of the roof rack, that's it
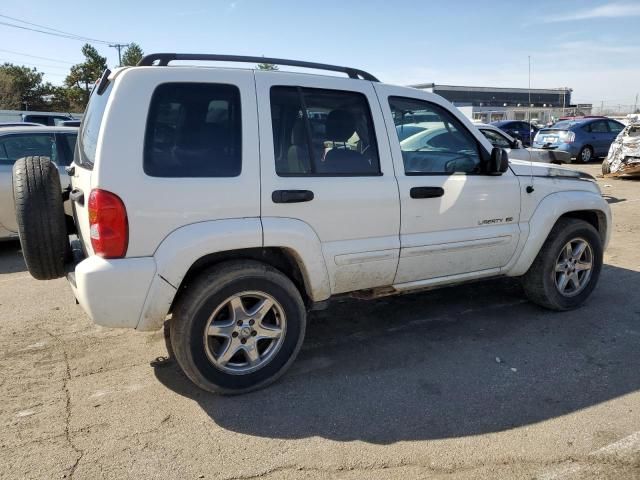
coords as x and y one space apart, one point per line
163 59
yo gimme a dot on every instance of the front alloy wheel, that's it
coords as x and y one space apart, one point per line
573 267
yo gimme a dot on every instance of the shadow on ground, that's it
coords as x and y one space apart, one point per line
461 361
11 259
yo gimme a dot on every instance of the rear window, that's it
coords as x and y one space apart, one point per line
194 130
91 127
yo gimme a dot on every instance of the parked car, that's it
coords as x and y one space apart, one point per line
56 143
623 159
518 129
516 150
203 197
46 119
583 138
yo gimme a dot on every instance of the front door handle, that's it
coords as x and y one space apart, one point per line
291 196
426 192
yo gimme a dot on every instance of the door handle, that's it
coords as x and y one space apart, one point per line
426 192
291 196
77 195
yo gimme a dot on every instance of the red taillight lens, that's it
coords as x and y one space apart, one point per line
108 223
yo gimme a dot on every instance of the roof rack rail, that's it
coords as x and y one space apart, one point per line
163 59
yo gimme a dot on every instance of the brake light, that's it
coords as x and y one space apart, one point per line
109 226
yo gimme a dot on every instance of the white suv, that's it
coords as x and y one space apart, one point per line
233 201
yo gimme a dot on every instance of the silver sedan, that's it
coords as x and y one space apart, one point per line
57 143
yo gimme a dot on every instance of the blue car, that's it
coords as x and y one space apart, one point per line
583 138
518 129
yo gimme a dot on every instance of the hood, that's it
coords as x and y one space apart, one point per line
525 169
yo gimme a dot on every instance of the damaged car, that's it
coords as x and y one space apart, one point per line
624 154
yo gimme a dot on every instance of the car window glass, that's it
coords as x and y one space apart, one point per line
68 147
599 127
18 146
194 130
444 147
496 139
615 127
319 132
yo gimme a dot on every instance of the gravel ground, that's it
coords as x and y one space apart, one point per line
464 382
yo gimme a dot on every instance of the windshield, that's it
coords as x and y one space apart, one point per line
86 153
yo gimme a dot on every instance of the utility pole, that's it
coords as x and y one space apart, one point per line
601 107
119 47
635 105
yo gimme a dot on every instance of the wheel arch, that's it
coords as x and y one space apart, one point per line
582 205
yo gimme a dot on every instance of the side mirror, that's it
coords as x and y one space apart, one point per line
517 143
498 162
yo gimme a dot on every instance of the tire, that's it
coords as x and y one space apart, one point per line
40 217
606 168
585 155
542 281
201 356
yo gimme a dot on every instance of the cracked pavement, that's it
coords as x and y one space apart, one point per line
404 387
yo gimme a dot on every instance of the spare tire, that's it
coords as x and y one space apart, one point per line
40 216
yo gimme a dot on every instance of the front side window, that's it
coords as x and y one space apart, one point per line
445 146
320 132
194 130
496 139
14 147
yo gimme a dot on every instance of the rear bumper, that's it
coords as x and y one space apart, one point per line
571 149
113 292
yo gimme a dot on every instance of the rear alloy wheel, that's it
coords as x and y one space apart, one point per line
585 155
237 327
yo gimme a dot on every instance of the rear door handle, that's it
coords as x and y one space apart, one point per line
291 196
426 192
77 195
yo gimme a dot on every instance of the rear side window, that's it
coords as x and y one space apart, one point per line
194 130
615 127
14 147
91 127
319 132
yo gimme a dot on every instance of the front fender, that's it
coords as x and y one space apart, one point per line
545 216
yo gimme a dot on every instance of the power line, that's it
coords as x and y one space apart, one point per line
52 31
35 64
36 56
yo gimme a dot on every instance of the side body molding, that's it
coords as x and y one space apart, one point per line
545 216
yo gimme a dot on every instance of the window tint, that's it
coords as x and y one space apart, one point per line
615 127
14 147
496 139
194 130
599 127
67 143
444 147
322 133
91 127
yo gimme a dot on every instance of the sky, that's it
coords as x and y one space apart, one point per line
591 46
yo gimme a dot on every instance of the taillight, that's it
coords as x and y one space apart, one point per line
109 227
568 137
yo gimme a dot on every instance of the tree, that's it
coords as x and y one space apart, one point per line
27 85
132 55
83 75
9 97
267 66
